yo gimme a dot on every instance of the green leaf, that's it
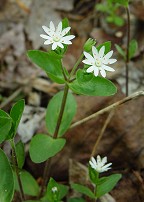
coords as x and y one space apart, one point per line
5 126
43 147
94 86
106 184
49 62
83 189
132 48
4 114
15 114
62 191
53 111
122 2
107 45
119 21
20 153
33 201
94 176
120 51
76 200
6 179
29 184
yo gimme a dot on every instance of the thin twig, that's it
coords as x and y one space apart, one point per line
11 97
102 132
109 108
19 90
127 51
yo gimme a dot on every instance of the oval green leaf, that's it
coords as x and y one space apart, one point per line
20 153
53 110
16 114
83 189
43 147
5 126
49 62
29 184
106 184
6 179
96 86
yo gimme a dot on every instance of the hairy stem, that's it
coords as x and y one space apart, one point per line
127 51
15 165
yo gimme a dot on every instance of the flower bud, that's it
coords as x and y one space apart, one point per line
88 44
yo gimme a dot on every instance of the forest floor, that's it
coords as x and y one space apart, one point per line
123 138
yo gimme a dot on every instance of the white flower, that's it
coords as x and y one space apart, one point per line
99 164
99 61
54 189
56 36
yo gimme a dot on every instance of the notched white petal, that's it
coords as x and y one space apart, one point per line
110 69
45 36
52 27
90 69
101 51
108 55
46 29
65 31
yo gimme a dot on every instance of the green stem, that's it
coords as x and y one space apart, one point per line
61 110
76 65
15 165
127 51
46 175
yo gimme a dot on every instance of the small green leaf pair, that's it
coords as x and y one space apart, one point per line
103 186
9 122
55 192
133 46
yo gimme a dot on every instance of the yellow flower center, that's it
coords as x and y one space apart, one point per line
98 63
56 38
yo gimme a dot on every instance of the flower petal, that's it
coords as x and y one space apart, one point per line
46 29
54 46
107 165
60 45
45 36
47 42
52 27
89 57
104 160
59 28
101 51
103 72
111 61
65 39
108 55
96 71
90 69
95 52
108 68
98 159
65 31
87 62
